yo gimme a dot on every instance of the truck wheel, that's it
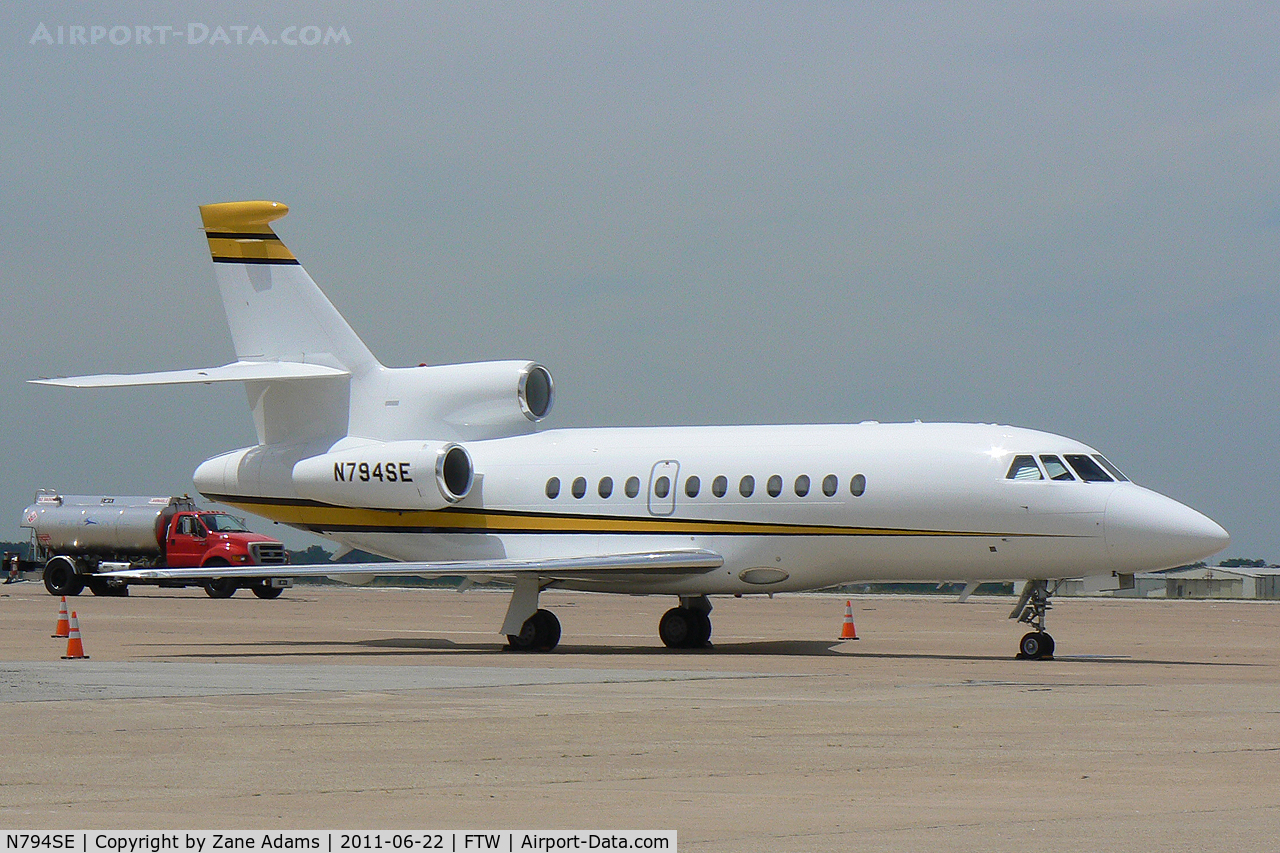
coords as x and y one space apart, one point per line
101 587
266 590
61 577
220 588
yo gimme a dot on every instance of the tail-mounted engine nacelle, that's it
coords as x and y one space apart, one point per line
462 402
487 395
392 475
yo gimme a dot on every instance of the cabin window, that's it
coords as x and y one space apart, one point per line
802 485
1089 471
774 486
662 486
632 487
1024 468
1111 469
1055 469
580 487
553 488
719 486
747 486
830 485
606 487
857 485
691 486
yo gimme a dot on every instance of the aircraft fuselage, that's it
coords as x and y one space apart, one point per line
789 507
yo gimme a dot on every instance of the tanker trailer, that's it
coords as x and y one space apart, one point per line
74 537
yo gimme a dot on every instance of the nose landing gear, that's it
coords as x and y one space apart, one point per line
1031 608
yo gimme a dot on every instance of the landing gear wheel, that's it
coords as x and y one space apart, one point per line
701 636
540 633
266 590
219 588
548 631
61 578
685 628
1036 646
675 627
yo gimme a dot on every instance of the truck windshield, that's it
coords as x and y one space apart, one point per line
220 522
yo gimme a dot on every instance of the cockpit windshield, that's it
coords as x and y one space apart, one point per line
220 522
1111 469
1089 470
1024 468
1055 469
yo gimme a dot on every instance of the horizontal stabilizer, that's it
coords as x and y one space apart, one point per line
686 562
239 371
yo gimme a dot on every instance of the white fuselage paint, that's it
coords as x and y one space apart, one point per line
937 506
938 503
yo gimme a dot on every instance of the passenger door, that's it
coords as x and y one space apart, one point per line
663 480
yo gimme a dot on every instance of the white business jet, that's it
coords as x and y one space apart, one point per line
444 468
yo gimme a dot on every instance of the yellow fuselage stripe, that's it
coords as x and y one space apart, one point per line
323 517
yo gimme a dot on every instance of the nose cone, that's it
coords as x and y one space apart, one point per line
1146 531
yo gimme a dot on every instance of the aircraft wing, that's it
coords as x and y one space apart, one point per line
694 561
238 371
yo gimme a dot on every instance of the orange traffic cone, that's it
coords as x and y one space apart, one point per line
75 649
64 627
847 631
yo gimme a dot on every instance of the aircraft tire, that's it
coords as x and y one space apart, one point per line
685 628
267 591
547 630
540 633
1036 645
674 628
677 627
701 637
523 641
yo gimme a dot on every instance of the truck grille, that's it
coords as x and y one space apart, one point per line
268 553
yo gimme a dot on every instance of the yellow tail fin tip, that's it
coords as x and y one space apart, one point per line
246 217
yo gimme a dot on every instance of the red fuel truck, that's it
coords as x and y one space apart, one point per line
76 537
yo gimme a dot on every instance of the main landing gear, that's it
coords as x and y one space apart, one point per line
1031 608
539 633
529 628
687 626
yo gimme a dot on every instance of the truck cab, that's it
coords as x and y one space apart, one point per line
199 538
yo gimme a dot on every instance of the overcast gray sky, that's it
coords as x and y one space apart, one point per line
1060 216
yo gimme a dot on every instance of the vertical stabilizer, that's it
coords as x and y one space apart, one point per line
275 310
277 313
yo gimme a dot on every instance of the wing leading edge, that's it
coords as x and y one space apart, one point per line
238 371
694 561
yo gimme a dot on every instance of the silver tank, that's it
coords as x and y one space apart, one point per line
104 525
